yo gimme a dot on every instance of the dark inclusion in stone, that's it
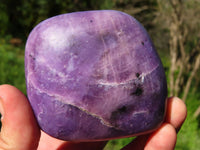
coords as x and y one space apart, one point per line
119 111
89 77
137 75
142 43
138 91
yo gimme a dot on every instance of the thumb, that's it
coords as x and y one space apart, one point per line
19 128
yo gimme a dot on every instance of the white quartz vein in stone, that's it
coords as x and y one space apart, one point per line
59 98
140 112
115 84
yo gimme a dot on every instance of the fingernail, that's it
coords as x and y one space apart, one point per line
1 108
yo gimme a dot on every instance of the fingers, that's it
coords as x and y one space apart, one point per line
165 137
162 139
176 112
19 128
47 142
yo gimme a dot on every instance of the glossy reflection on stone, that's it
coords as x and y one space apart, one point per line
94 75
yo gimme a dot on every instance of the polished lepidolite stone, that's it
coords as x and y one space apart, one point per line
94 75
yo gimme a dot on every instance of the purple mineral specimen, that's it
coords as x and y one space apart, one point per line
94 75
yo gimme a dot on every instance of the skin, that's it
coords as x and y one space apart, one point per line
20 130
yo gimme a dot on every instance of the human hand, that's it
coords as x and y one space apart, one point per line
20 130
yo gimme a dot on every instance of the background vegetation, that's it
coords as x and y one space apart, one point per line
174 26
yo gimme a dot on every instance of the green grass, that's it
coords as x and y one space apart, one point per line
12 65
189 135
118 143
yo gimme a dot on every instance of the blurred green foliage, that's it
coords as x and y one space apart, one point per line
189 135
19 17
12 65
